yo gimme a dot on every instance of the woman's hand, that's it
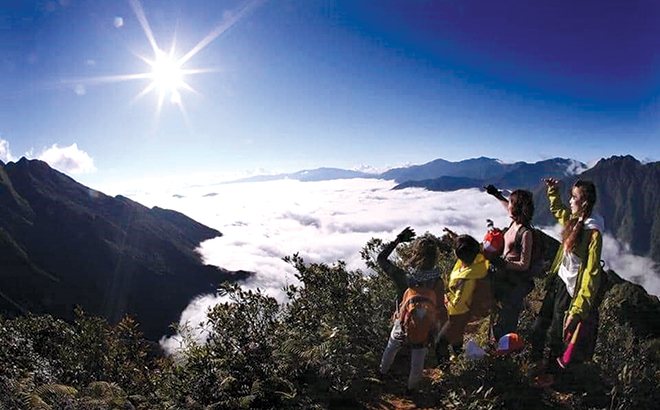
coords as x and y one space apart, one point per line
551 182
452 235
406 235
491 190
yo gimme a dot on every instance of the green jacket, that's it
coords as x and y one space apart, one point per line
588 250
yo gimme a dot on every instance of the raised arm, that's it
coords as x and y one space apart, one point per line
397 274
491 190
560 211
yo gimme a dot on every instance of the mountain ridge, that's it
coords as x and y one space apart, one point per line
62 244
481 168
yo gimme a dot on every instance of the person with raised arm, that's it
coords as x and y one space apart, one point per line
511 277
420 313
570 307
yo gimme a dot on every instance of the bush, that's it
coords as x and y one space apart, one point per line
628 348
335 325
321 349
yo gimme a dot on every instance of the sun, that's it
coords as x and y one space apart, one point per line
167 73
167 76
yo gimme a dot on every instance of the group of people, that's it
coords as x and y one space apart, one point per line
432 315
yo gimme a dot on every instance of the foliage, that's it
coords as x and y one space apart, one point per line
47 361
239 364
318 350
335 324
629 351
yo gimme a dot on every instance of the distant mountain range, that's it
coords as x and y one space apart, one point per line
441 175
63 244
475 168
478 172
311 175
629 191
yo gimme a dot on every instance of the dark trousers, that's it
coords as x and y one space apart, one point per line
510 292
551 318
451 334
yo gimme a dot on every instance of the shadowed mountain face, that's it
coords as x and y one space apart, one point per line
63 244
628 199
478 172
475 168
442 184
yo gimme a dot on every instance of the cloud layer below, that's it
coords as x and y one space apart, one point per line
332 220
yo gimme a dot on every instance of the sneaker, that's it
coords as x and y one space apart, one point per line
544 380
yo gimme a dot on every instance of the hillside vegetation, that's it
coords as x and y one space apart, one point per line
320 350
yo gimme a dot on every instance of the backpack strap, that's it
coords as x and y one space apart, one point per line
521 231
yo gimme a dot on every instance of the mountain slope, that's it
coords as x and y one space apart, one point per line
528 176
63 244
475 168
512 176
442 184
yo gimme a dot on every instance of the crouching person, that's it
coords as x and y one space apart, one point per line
421 312
469 296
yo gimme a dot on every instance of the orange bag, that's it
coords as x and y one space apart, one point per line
493 241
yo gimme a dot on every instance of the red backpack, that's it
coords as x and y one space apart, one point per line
417 313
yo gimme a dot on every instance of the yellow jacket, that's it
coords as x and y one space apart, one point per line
462 282
588 250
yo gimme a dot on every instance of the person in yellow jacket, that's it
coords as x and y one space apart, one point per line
574 281
468 295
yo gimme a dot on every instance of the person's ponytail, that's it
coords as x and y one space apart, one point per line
571 233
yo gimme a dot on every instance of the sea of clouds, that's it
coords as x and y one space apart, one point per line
326 221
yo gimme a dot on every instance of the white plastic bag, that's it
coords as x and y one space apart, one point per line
473 351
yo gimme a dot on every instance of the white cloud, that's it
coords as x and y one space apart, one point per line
575 167
369 169
5 153
637 269
80 90
69 159
618 257
331 220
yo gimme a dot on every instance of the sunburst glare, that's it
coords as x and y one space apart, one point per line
167 75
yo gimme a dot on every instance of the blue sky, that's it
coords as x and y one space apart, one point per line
294 84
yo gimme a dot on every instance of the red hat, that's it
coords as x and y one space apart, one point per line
510 342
